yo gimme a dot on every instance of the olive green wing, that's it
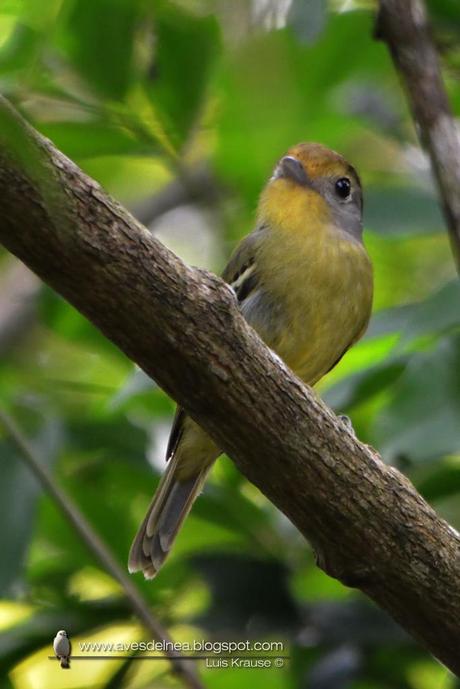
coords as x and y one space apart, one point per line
241 274
241 270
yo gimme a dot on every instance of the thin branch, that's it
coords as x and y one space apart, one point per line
100 550
198 186
404 26
367 523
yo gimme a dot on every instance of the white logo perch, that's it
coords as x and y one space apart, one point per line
61 646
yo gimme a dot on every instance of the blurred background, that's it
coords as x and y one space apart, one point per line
180 109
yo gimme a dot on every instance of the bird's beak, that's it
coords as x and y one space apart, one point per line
291 168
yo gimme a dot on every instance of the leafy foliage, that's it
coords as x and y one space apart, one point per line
140 93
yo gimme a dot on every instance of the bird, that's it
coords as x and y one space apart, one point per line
304 281
62 648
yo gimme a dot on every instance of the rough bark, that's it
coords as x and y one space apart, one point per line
404 26
368 525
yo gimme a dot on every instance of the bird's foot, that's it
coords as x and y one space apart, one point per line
347 421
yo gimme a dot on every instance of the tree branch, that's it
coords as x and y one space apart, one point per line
405 28
198 186
98 548
367 523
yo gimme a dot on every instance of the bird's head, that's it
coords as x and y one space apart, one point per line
313 185
62 632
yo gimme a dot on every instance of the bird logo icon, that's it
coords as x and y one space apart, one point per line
62 648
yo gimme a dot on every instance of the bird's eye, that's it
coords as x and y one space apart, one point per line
343 187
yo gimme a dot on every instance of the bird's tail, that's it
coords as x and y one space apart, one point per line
65 662
171 503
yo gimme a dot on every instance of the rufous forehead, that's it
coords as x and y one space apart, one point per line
320 161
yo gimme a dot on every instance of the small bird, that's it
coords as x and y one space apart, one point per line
61 646
303 280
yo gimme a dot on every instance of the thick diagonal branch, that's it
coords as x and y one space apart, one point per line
368 525
405 28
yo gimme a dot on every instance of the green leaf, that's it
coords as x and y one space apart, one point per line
64 320
421 420
408 268
245 586
446 12
120 678
441 482
389 321
361 386
436 315
103 487
277 92
80 140
114 436
98 37
20 50
186 48
18 495
19 490
417 211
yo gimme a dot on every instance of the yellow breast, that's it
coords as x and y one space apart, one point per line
323 278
